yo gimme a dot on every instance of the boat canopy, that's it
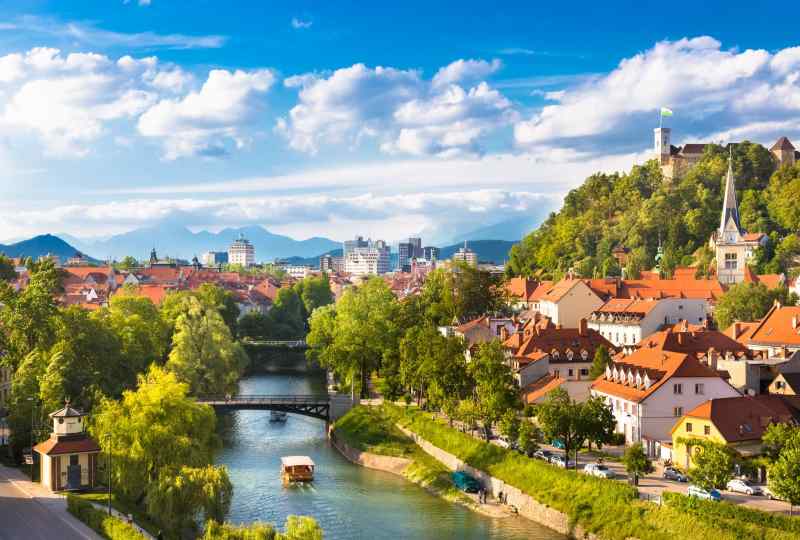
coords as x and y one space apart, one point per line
296 461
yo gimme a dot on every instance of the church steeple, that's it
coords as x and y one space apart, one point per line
729 221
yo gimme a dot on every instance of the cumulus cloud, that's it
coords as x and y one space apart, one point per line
443 116
203 121
68 100
711 90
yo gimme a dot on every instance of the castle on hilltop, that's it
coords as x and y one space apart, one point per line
675 161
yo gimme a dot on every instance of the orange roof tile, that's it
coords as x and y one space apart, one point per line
746 417
540 388
780 326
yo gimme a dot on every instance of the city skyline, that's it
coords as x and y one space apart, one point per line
309 120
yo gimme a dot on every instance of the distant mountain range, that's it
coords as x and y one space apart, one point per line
38 246
179 242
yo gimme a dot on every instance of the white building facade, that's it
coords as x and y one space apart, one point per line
370 260
242 252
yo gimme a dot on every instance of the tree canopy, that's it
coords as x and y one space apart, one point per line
749 302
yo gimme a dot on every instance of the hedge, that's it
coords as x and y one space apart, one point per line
107 526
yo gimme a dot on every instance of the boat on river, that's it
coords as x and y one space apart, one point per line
277 416
297 469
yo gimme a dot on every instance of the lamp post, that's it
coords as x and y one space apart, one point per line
107 438
33 407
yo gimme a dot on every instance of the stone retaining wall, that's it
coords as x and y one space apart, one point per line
526 505
394 465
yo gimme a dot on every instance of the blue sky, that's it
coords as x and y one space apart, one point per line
332 118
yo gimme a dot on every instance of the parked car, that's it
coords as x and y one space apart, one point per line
599 470
770 495
465 482
740 485
704 494
671 473
560 461
544 455
500 441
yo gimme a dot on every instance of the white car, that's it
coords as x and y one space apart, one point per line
743 486
599 470
770 495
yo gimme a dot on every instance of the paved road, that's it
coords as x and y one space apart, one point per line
37 517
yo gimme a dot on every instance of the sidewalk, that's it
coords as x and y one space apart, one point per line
36 512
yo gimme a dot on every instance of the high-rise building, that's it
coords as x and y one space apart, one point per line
350 245
416 248
330 264
242 252
214 258
431 253
405 252
466 255
370 259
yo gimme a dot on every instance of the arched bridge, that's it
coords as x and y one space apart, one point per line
324 407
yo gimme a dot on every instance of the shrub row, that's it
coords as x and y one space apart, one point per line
107 526
714 511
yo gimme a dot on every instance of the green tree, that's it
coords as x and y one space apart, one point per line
250 531
7 272
509 426
141 331
352 337
599 423
314 292
301 528
179 500
636 461
476 292
24 403
287 316
600 361
529 437
495 388
254 325
223 301
748 302
127 263
154 430
777 437
784 475
204 353
712 463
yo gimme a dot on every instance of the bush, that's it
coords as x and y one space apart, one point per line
616 439
716 512
107 526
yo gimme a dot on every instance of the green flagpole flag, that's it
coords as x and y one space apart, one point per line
666 112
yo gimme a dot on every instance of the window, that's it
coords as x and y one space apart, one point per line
584 372
688 427
706 430
677 388
570 373
677 412
730 261
699 389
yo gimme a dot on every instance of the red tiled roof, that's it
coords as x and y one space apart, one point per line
66 445
537 340
780 326
627 305
540 388
692 341
521 288
744 418
782 144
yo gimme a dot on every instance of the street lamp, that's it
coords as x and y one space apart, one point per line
107 438
33 407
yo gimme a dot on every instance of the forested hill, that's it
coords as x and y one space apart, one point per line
636 209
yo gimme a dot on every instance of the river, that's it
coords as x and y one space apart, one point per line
348 501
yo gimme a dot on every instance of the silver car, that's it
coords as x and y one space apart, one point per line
739 485
599 470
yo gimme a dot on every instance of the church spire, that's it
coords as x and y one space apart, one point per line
730 211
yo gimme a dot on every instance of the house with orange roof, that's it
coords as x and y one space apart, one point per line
625 321
649 390
520 291
776 334
544 352
481 330
738 422
568 301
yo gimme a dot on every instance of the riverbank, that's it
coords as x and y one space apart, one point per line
368 437
588 505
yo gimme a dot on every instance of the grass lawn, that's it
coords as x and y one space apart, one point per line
373 430
610 509
138 515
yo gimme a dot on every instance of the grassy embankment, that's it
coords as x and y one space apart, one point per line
373 430
610 509
108 527
139 516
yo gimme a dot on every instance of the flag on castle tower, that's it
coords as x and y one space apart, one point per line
666 112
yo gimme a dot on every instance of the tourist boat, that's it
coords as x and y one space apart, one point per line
297 469
277 416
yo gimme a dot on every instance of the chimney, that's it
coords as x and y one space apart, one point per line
583 327
680 338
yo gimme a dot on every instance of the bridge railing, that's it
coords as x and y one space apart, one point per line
266 398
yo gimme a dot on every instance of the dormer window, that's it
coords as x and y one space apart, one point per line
570 354
609 374
584 354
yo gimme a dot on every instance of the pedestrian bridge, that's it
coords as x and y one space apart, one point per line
325 407
286 343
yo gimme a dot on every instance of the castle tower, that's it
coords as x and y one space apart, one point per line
662 144
730 229
783 150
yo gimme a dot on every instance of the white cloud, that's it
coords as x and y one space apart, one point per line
711 90
299 24
404 112
68 100
202 122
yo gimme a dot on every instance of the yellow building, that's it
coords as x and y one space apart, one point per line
738 422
